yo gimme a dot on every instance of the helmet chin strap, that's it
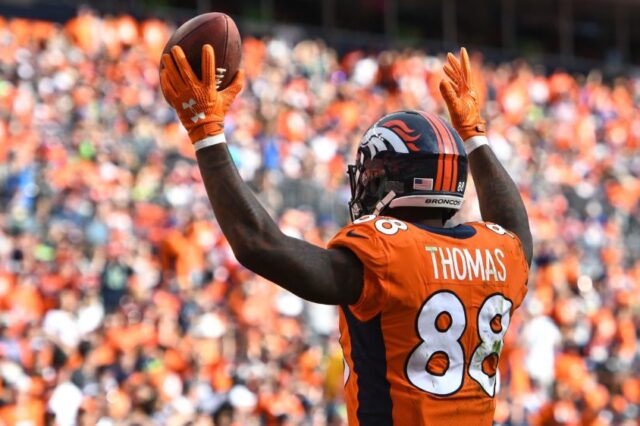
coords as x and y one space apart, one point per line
384 202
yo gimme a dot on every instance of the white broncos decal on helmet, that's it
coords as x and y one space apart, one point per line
374 140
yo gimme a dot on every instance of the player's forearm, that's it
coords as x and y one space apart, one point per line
244 222
256 240
499 198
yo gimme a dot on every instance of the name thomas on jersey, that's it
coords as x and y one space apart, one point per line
464 264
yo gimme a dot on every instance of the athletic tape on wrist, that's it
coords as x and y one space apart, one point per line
475 142
209 141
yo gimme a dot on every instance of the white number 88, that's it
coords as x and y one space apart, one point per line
437 340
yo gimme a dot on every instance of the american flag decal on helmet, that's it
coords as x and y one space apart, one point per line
423 184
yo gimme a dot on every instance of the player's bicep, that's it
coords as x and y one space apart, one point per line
331 276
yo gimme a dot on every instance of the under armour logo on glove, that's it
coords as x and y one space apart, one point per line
190 106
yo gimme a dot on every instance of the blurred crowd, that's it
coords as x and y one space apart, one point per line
121 302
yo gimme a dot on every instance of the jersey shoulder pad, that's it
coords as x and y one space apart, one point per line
511 245
485 225
362 238
497 233
373 238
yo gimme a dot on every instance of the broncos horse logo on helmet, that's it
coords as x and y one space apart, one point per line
408 159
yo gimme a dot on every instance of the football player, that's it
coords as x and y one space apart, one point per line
423 308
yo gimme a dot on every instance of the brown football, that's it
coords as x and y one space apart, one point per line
218 30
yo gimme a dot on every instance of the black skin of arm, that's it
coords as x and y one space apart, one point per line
329 276
500 201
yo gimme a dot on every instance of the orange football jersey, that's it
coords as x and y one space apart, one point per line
422 343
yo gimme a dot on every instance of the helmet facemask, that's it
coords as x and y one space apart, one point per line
370 184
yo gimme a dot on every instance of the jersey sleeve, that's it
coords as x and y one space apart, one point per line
522 268
364 241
